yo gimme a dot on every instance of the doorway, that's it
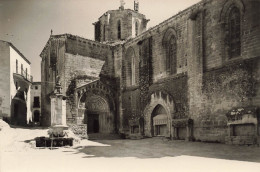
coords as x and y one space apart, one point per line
93 123
36 116
159 122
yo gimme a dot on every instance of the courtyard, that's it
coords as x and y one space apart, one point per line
159 147
18 153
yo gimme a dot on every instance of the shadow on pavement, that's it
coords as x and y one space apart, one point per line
159 148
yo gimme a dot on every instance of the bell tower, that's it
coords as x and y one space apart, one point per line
120 24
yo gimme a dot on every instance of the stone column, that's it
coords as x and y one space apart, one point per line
58 112
195 62
28 104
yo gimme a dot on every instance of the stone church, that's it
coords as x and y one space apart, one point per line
195 76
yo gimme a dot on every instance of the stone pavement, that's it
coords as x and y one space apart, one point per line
160 147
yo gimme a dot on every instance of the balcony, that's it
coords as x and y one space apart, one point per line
23 80
25 75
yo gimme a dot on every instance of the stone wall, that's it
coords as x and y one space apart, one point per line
218 83
215 40
51 67
208 83
234 85
4 78
73 59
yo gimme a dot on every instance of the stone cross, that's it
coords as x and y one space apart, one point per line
122 2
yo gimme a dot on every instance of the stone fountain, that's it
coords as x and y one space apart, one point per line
58 129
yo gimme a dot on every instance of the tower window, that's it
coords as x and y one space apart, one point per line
119 29
136 28
234 33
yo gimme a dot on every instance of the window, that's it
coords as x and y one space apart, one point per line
234 33
16 66
26 73
36 87
171 56
97 31
119 29
21 69
133 71
130 67
136 28
170 52
129 73
36 102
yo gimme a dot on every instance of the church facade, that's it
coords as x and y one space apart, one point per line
194 76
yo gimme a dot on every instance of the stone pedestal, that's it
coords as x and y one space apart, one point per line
58 122
136 129
187 124
58 112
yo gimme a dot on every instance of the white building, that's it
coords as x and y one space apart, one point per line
15 83
36 102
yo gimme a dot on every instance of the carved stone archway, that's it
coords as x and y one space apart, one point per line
96 99
164 100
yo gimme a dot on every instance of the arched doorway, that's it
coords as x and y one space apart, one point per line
98 117
36 116
159 121
159 112
19 109
96 108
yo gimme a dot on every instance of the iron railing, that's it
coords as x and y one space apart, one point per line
25 74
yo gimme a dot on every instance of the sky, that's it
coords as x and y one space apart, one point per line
28 23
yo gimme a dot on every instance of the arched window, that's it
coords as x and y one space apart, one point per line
136 28
119 29
170 50
130 67
171 56
234 33
133 70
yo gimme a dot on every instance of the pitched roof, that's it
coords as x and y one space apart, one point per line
10 44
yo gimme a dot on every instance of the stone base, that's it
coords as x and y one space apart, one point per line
57 130
80 130
136 136
53 142
241 140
